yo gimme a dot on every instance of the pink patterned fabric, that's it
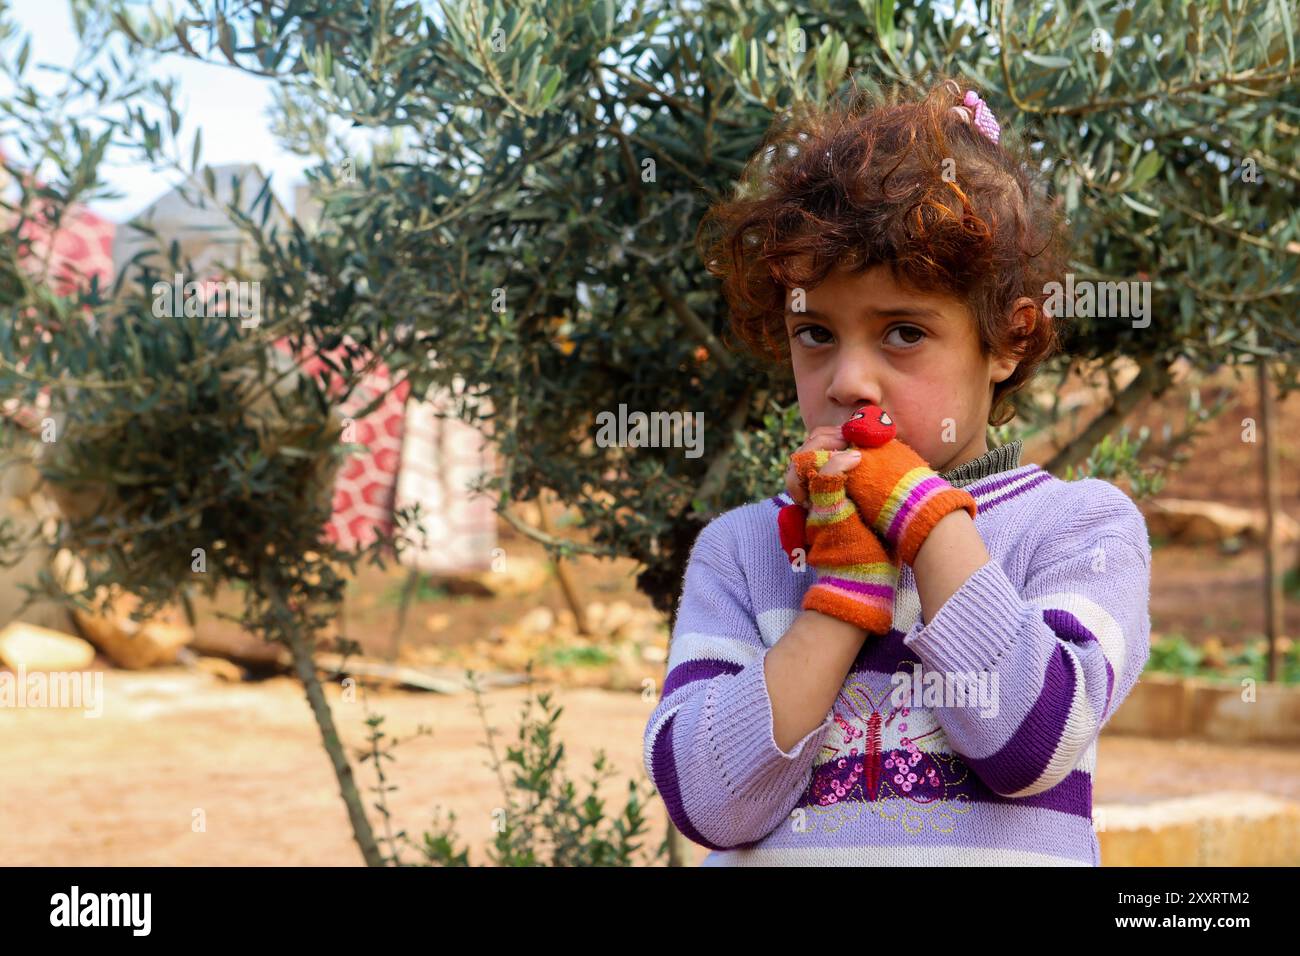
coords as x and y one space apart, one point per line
441 457
79 250
367 482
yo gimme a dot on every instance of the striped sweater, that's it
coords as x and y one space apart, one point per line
968 740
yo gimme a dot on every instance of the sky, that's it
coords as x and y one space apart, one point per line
229 105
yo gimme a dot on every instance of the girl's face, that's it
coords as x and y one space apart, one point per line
863 337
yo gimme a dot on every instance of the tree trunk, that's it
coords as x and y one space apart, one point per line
562 575
1272 505
1152 379
305 666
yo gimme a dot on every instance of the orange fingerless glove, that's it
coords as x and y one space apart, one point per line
856 579
902 498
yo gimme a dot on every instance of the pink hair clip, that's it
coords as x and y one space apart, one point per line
982 116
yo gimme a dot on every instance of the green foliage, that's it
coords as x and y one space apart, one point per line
1291 583
526 204
546 822
543 820
1174 654
580 656
764 452
381 749
1118 456
424 590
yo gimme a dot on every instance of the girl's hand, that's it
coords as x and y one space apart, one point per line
902 498
822 438
856 578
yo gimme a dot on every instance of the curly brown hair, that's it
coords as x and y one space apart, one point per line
891 179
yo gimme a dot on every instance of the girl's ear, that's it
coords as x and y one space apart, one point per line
1024 318
1002 368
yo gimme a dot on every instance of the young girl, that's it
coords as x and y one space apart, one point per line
925 683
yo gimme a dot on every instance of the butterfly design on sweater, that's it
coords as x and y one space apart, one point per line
887 757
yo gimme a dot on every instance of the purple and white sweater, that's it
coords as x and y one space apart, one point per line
970 740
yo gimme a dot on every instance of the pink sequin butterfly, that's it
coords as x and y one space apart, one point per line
861 769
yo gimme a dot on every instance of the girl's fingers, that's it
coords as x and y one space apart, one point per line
830 477
794 485
841 462
822 438
829 438
803 465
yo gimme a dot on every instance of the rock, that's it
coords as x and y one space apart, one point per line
654 653
220 668
25 516
18 480
1213 650
618 615
131 644
539 620
519 576
648 633
135 645
1188 521
1168 706
34 648
1240 828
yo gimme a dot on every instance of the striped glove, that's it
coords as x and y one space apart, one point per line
900 496
855 577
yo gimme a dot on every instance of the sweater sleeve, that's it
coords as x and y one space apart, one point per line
709 745
1058 656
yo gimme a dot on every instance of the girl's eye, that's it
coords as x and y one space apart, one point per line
909 330
812 329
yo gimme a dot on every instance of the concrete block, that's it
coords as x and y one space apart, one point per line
1233 828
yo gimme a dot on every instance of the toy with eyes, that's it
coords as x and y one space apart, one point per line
869 427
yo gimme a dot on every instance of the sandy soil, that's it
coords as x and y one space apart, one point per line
122 789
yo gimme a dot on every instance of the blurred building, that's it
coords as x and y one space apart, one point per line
415 453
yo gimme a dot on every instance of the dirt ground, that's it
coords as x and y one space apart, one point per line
1199 593
122 789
